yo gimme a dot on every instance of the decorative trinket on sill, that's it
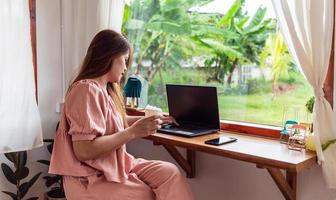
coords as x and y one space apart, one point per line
297 137
132 92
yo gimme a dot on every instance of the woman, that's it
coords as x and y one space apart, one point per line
89 149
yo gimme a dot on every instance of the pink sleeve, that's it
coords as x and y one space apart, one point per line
85 109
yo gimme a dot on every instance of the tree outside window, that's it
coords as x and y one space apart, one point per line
243 54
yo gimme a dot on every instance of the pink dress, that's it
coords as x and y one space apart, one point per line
89 112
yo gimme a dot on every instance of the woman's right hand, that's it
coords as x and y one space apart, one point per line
145 126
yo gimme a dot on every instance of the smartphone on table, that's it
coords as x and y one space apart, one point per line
221 140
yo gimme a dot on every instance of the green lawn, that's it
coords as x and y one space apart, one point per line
260 108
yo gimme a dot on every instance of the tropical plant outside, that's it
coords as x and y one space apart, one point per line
244 56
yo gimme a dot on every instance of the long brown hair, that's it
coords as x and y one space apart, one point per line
104 48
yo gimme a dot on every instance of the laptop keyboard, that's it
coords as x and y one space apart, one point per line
186 128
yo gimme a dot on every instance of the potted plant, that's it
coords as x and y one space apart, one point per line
16 176
54 182
309 107
310 104
310 138
310 143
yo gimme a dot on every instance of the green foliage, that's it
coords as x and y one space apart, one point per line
166 34
244 44
236 6
53 181
221 48
16 176
276 50
255 86
156 91
206 30
160 31
260 108
292 77
257 20
254 103
310 104
167 37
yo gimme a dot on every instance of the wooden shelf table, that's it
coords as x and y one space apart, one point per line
266 153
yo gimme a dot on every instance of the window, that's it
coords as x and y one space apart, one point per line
233 45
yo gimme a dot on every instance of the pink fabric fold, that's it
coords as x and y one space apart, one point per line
89 112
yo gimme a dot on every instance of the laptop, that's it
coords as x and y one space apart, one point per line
195 108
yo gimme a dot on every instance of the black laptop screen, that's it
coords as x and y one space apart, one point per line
193 104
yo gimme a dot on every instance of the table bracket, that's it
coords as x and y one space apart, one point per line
187 164
286 185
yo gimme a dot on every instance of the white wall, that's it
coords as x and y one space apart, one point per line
217 178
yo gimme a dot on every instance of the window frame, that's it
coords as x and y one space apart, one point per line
251 128
243 127
268 130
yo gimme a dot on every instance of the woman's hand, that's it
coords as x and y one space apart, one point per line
169 120
145 126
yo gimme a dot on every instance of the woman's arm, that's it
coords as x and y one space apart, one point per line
165 119
92 149
132 119
88 150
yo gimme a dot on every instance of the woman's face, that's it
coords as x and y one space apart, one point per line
118 68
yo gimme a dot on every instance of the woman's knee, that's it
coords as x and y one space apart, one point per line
169 169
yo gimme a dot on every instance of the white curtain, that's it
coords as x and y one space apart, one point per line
307 26
20 124
111 14
80 21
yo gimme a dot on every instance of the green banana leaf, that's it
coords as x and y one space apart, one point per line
230 14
